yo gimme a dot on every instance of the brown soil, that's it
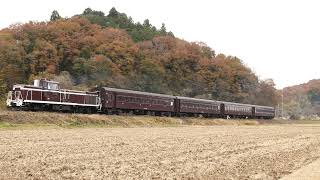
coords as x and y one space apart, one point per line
212 152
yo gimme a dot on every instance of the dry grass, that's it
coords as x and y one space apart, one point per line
9 119
18 118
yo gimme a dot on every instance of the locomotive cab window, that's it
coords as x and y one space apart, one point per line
53 86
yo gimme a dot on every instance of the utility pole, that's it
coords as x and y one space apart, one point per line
282 104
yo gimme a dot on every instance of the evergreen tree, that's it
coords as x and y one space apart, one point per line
163 29
113 12
87 11
146 23
55 16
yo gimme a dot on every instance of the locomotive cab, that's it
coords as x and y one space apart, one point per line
45 84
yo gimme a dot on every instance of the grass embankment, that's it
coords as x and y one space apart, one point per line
16 119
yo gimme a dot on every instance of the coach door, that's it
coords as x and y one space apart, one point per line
253 111
222 109
177 106
109 99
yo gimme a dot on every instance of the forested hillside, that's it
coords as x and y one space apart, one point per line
302 100
112 50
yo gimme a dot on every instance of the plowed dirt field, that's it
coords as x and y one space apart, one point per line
196 152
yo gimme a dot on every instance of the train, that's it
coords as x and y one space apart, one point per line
46 95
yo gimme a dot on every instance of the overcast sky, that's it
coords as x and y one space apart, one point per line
278 39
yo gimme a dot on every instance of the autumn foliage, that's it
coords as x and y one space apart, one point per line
111 50
302 100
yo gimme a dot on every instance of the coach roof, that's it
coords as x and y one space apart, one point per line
196 99
240 104
137 92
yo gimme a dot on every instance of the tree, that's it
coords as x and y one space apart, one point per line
314 95
266 93
55 16
146 23
87 11
150 77
113 12
206 50
163 29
